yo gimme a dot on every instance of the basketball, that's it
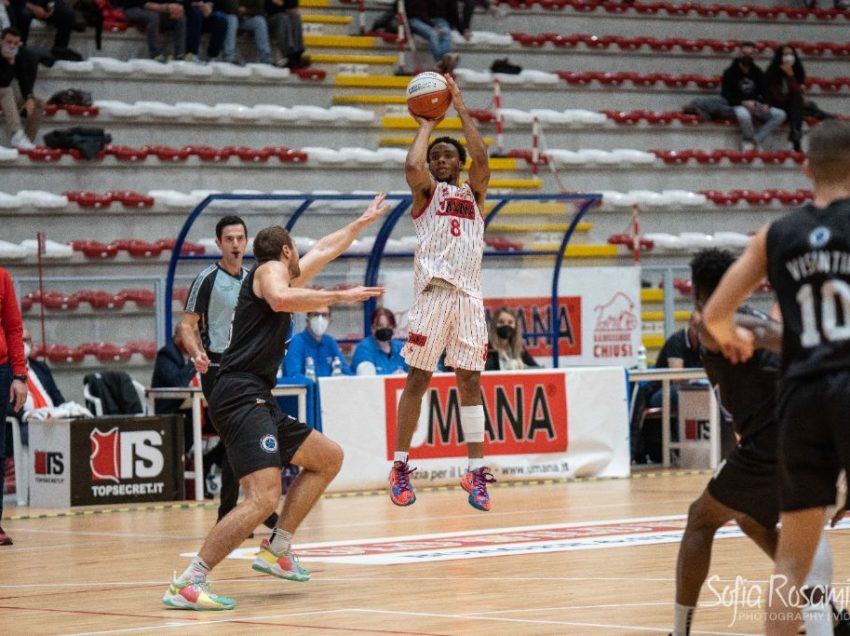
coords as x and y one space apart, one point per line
428 95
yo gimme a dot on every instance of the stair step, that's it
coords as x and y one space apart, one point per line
537 227
343 42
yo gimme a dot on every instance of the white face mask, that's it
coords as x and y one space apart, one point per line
319 325
788 59
10 51
27 349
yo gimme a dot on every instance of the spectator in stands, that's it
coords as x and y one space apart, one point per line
380 353
172 368
157 16
507 351
680 351
201 16
838 4
786 80
16 63
434 21
745 88
387 22
53 12
469 7
252 15
13 370
229 10
287 30
315 347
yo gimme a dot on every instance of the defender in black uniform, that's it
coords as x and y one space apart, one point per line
806 256
745 487
258 437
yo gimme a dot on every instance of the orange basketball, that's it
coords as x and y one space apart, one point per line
428 95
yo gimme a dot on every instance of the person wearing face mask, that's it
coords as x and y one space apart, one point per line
744 87
380 354
507 351
17 64
316 344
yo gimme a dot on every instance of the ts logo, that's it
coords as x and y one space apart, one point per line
49 463
123 455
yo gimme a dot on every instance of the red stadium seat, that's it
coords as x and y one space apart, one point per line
61 354
108 352
58 301
130 199
138 248
89 199
244 153
146 348
683 286
95 249
167 153
43 154
126 153
627 240
142 297
188 248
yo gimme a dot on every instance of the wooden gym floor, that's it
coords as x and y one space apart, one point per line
586 558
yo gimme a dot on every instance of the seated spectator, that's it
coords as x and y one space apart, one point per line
469 8
253 18
53 12
201 17
174 368
286 28
507 351
315 347
680 351
387 21
229 10
786 80
744 87
44 400
158 16
434 21
16 63
380 353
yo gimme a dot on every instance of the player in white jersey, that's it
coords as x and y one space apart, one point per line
447 312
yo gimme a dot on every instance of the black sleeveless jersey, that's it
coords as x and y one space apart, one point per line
746 391
258 337
808 262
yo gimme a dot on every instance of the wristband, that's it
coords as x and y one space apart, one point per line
22 377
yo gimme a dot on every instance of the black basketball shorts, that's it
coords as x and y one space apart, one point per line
255 432
814 439
748 479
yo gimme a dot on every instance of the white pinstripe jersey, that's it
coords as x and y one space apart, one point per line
450 239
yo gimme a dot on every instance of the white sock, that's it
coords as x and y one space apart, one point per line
196 572
476 462
280 541
682 618
400 456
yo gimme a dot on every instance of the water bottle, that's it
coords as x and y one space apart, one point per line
310 369
336 366
641 358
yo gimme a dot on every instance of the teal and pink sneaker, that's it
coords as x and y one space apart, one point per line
284 565
475 483
195 595
401 490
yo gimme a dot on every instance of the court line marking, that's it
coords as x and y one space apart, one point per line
663 474
459 617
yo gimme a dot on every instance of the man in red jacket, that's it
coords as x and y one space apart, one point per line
13 369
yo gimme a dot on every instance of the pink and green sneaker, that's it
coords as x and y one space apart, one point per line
401 490
195 595
475 483
284 565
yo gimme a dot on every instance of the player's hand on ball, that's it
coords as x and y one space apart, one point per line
427 123
360 293
737 346
457 98
377 208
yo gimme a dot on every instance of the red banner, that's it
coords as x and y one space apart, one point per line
525 413
534 315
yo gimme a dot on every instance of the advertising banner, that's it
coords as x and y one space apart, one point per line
538 424
126 459
598 315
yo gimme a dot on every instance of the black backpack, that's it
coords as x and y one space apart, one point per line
71 97
88 141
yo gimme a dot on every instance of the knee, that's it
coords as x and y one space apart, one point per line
334 458
417 383
699 520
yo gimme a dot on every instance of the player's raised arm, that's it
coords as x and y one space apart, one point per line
740 280
329 247
271 283
479 170
416 164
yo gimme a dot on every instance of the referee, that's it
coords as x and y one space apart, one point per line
205 329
